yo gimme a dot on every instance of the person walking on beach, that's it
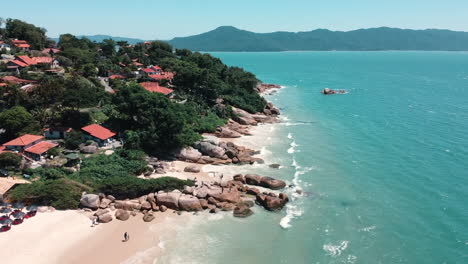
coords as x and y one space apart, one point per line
126 237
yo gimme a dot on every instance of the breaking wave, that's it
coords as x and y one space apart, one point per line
335 250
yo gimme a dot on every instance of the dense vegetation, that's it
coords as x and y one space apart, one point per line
114 174
233 39
150 123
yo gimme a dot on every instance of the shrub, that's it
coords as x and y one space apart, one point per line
8 159
74 139
60 193
132 187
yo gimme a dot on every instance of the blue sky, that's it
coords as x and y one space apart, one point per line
156 19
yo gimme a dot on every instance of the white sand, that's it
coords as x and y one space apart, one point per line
39 239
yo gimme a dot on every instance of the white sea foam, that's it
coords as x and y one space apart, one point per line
292 149
367 229
289 135
292 212
335 250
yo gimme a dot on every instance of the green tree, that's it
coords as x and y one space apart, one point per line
74 139
15 121
21 30
8 159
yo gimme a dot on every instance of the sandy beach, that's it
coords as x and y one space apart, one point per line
67 236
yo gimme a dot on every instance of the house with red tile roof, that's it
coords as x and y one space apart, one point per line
26 59
50 51
37 150
30 146
16 64
155 88
23 142
43 60
99 134
21 44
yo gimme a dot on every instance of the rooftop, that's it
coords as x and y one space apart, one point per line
98 131
41 147
155 88
23 140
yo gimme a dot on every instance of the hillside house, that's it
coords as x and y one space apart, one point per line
21 143
21 45
99 134
57 132
154 87
37 151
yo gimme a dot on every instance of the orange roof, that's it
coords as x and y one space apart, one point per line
48 50
137 64
163 76
3 84
59 129
27 60
22 45
19 63
116 76
41 147
155 88
16 41
15 80
42 60
23 140
98 131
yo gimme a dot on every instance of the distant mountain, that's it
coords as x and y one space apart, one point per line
229 38
100 38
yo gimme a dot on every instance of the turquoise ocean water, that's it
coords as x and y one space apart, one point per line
384 168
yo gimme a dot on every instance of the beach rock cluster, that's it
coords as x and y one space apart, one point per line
210 150
235 195
266 87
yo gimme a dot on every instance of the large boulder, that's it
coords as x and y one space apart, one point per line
192 169
189 203
224 132
169 199
210 149
105 203
146 206
91 149
105 218
271 202
122 215
90 201
271 183
211 139
242 210
253 179
189 154
228 195
148 217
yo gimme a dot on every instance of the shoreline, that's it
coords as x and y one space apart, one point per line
67 236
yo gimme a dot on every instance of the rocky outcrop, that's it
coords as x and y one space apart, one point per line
105 218
90 201
189 154
148 217
267 182
189 203
225 132
266 87
242 210
105 203
169 199
207 148
271 201
122 215
88 149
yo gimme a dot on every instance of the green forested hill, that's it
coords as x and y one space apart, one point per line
232 39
